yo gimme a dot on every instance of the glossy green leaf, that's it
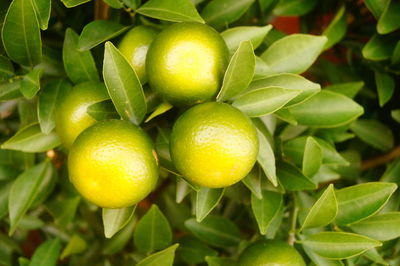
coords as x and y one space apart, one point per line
217 231
383 227
294 8
220 13
253 181
359 202
320 261
294 53
171 10
264 101
164 257
374 133
291 82
24 191
114 3
336 29
312 158
49 99
6 68
10 90
75 245
385 86
326 109
389 20
261 69
292 178
30 83
74 3
80 66
206 200
379 48
120 239
123 85
234 36
160 109
153 231
103 110
266 209
99 31
47 253
193 251
376 6
323 211
266 158
21 33
239 73
43 10
115 219
349 89
339 245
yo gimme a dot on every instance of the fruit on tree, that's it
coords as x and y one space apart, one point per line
270 252
134 46
186 62
213 145
113 164
71 115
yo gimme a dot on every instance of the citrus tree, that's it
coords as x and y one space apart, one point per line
199 132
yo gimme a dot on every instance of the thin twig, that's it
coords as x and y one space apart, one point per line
293 229
381 159
100 10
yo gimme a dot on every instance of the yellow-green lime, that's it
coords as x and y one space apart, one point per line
112 164
214 145
186 63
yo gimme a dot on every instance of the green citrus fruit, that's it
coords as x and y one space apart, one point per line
214 145
134 46
186 63
270 252
112 164
71 115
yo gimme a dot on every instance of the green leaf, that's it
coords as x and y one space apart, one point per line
396 115
120 239
373 255
80 66
379 48
24 191
193 251
6 68
336 29
373 133
123 85
10 90
160 109
49 99
264 101
389 20
239 73
220 13
75 245
21 33
30 83
376 6
292 179
266 158
395 56
206 200
349 89
99 31
326 109
4 192
253 182
323 211
312 158
164 257
261 69
339 245
153 231
219 261
385 85
361 201
266 208
294 53
64 210
290 82
74 3
103 110
234 36
171 10
217 231
294 8
115 219
43 10
47 253
114 3
383 227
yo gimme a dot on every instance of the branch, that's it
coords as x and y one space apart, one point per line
381 159
100 10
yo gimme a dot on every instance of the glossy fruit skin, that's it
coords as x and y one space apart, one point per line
213 145
112 164
134 46
71 115
270 252
186 63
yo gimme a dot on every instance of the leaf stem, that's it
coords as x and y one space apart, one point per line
293 223
381 159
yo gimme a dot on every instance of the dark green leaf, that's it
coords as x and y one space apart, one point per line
266 209
160 109
43 10
6 68
123 85
30 83
292 179
74 3
75 245
396 54
253 181
120 239
219 261
99 31
103 110
64 210
206 200
115 219
385 86
376 6
379 48
336 29
294 8
374 133
114 3
164 257
80 66
47 253
389 20
10 90
193 251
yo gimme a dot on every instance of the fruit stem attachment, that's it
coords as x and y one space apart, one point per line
381 159
293 223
